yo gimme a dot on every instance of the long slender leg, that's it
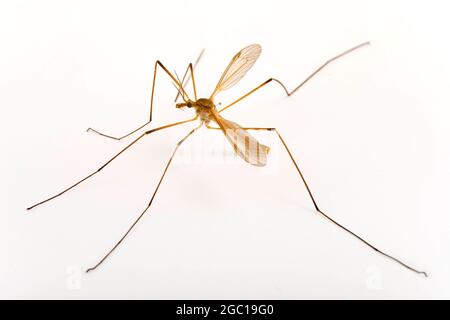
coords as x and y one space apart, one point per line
185 80
175 86
320 211
193 83
157 63
301 84
193 80
150 202
109 161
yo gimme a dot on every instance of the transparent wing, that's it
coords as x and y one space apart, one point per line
245 146
238 67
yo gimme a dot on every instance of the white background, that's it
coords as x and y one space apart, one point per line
370 133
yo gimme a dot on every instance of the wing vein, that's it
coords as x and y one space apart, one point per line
237 68
244 144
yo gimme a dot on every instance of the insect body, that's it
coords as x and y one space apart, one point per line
244 145
203 108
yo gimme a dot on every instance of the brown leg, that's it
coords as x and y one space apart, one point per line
301 84
185 80
326 216
109 161
189 68
149 204
157 63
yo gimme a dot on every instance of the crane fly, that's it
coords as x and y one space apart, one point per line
206 111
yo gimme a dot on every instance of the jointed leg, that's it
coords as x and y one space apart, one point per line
185 80
193 80
149 204
157 63
321 212
189 68
301 84
109 161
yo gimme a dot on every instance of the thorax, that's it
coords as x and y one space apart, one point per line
204 109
